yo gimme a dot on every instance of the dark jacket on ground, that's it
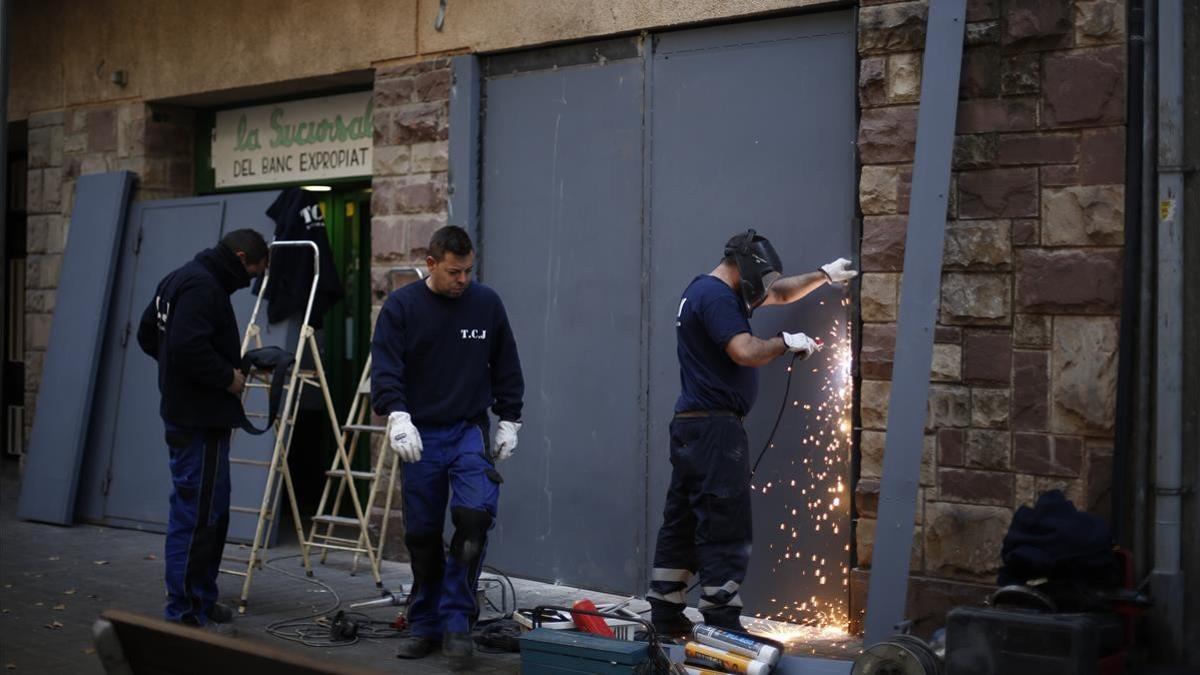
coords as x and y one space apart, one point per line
189 327
1057 541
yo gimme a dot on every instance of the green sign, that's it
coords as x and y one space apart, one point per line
312 139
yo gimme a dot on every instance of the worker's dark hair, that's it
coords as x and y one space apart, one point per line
450 238
249 242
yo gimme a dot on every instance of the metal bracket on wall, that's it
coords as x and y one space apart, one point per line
440 21
920 286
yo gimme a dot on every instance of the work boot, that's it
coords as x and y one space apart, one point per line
671 625
224 629
459 649
415 647
726 623
220 613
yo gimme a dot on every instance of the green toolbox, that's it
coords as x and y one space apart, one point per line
545 651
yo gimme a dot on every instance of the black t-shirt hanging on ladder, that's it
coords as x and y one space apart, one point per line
298 217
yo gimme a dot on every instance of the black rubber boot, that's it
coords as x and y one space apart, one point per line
459 649
220 613
725 621
415 647
671 625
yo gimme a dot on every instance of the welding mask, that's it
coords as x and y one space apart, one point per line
757 263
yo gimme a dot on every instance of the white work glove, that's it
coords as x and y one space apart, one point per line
506 440
800 344
403 436
838 271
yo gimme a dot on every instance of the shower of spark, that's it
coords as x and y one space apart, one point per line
817 492
800 636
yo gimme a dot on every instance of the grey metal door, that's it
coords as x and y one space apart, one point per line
609 182
126 478
561 243
753 125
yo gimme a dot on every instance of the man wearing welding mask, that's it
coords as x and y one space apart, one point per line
706 521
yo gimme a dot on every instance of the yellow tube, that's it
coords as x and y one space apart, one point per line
720 659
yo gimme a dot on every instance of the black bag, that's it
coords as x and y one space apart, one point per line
268 358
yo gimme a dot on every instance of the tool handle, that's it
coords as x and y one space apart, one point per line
589 623
541 610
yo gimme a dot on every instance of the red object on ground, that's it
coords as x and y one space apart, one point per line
589 623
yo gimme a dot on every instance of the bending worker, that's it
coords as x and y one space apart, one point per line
190 329
443 352
706 521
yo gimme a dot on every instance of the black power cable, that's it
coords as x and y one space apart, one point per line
770 437
330 627
319 628
506 610
782 406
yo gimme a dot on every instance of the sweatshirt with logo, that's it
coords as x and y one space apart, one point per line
189 327
445 360
298 217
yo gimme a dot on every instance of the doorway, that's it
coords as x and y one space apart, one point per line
345 341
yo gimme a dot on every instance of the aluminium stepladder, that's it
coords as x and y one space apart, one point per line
357 427
278 477
330 513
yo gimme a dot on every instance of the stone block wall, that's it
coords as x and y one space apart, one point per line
154 143
409 190
1024 371
412 149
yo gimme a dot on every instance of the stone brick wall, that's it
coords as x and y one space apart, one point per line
1024 368
156 144
409 187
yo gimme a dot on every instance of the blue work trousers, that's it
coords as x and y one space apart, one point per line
455 469
707 525
197 522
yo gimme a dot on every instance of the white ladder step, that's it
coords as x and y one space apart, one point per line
370 428
337 520
250 462
336 547
364 475
247 509
335 540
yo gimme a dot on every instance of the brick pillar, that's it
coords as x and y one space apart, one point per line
46 237
1024 367
408 201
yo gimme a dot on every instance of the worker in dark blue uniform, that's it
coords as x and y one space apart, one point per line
442 354
189 327
706 521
